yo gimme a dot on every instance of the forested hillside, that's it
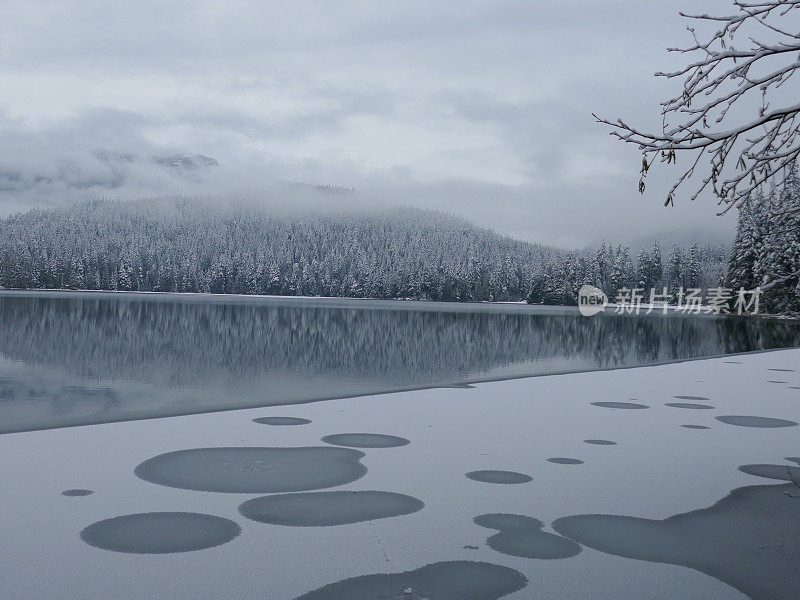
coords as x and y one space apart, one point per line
613 268
190 245
767 246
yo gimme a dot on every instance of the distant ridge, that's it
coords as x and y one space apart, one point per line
185 161
324 188
100 169
194 245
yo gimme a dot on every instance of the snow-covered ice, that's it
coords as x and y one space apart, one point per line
656 468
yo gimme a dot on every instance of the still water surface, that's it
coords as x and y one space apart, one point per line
81 358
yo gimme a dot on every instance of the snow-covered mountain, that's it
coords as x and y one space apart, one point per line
100 171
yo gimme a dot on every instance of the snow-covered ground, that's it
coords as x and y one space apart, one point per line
657 468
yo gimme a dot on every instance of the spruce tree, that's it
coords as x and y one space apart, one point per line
780 252
693 273
675 270
746 244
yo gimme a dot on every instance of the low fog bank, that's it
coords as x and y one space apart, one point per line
107 154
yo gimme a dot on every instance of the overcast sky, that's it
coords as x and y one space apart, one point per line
478 108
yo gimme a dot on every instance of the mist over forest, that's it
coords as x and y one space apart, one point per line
199 245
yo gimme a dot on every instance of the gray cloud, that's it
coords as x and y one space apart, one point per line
479 108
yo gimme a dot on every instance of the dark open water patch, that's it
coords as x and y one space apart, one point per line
794 459
783 370
282 421
323 509
775 381
160 532
691 397
619 405
749 539
695 427
365 440
245 344
600 442
780 472
502 477
565 461
523 536
454 580
750 421
688 405
254 470
732 362
76 492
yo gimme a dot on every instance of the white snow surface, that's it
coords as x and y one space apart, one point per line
658 469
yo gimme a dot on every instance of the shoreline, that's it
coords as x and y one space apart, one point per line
377 303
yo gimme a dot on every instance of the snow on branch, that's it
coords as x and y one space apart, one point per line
753 53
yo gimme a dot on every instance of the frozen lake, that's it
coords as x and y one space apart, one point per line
435 468
81 358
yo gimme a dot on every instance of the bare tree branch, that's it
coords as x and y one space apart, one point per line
754 52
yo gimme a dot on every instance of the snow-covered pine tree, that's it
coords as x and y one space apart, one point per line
693 272
779 256
675 272
746 244
656 266
622 271
644 270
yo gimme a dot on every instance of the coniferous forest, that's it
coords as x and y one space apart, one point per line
767 246
194 245
190 245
